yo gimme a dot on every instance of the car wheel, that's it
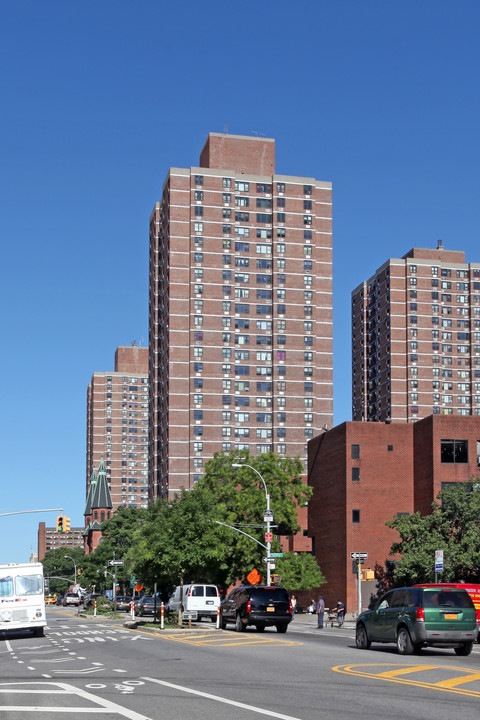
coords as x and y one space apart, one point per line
464 649
238 624
282 627
39 632
261 627
404 642
361 637
223 623
213 618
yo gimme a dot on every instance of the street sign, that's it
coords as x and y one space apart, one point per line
268 537
276 554
271 566
356 555
268 516
190 615
438 560
118 563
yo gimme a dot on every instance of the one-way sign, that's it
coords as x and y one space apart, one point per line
357 555
115 562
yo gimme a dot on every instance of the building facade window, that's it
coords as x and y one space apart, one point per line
454 451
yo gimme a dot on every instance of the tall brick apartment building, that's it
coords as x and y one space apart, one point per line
416 338
50 539
117 427
364 474
240 311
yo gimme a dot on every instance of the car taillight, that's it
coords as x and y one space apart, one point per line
249 606
291 609
421 614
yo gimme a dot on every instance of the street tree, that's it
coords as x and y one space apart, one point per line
118 533
184 536
60 570
299 571
453 526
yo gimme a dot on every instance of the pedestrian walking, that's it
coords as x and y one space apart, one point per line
293 600
320 612
340 613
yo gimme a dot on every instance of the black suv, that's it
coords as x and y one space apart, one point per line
261 605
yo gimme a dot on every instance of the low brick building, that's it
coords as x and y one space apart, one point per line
364 474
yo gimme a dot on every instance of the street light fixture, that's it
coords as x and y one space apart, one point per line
69 557
268 515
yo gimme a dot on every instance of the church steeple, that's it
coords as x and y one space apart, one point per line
97 508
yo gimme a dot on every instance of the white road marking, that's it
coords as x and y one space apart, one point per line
103 706
227 701
85 671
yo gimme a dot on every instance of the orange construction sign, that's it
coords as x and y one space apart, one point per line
254 577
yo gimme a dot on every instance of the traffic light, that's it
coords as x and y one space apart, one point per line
66 524
60 523
367 574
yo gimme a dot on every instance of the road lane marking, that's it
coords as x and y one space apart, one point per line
217 698
454 682
462 676
405 671
102 706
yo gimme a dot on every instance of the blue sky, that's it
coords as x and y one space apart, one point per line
100 98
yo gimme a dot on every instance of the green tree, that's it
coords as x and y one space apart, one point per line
118 535
57 566
183 537
453 526
299 571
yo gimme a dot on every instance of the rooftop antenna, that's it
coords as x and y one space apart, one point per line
440 245
225 129
257 133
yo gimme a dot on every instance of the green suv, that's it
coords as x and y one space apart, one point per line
414 617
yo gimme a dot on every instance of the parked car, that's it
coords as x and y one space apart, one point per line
415 617
260 605
122 603
473 590
72 598
90 598
198 597
146 606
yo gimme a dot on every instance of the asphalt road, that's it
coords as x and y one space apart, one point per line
102 669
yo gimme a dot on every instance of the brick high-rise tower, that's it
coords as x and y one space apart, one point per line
117 426
416 338
240 311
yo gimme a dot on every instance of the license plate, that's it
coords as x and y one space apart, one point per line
270 609
450 616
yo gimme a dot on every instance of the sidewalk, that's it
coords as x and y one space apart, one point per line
310 620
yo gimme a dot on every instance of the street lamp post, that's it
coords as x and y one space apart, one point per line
69 557
267 515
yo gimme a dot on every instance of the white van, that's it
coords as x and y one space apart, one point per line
204 599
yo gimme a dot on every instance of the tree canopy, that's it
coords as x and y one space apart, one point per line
453 526
185 537
299 571
212 533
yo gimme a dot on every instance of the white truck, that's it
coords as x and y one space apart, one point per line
22 597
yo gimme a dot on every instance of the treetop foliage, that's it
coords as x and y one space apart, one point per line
453 526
